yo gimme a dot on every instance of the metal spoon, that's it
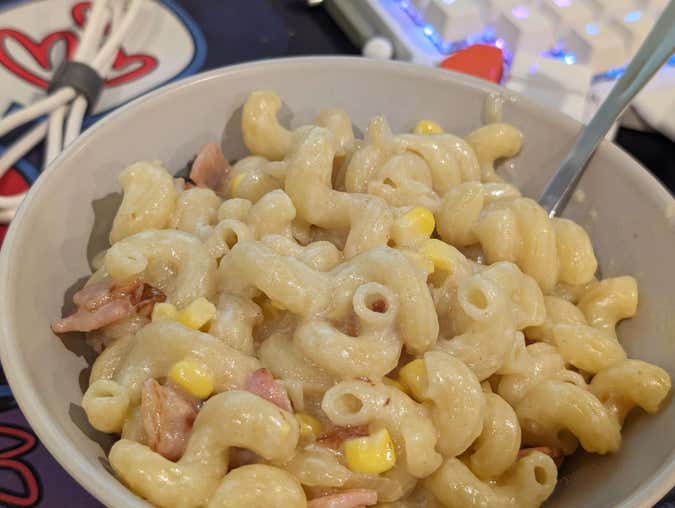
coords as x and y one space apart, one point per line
653 53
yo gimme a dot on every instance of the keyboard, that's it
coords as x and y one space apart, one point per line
566 54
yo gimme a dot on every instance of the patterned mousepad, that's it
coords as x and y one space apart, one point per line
189 36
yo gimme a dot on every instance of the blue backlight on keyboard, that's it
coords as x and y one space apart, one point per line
632 16
592 29
559 54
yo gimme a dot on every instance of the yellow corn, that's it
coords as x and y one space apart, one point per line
235 184
373 454
439 253
427 127
413 226
413 376
420 219
193 377
310 427
164 311
197 314
395 384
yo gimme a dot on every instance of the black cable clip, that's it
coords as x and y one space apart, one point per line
82 78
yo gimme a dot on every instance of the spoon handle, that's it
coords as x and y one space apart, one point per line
653 53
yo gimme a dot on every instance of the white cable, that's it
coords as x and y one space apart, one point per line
75 118
58 101
14 153
93 32
55 135
112 43
57 104
29 113
79 106
7 215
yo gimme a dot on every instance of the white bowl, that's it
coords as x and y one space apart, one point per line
66 217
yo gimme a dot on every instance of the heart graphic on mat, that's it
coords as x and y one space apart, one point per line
164 44
138 65
40 51
11 460
125 67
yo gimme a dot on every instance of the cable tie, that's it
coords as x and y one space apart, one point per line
80 77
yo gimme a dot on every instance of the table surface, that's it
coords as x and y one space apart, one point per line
234 31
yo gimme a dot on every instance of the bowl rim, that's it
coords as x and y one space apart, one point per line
54 439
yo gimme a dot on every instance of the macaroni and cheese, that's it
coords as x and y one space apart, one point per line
344 322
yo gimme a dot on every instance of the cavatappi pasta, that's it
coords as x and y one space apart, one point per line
334 321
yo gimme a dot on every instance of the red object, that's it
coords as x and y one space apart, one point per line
482 61
10 183
39 50
10 460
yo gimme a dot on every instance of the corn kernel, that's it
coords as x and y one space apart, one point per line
395 384
164 310
373 454
439 253
310 427
193 377
413 376
421 219
197 314
413 226
427 127
235 184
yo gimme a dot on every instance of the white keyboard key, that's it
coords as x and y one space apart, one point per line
636 26
552 73
656 102
610 8
567 12
599 46
455 19
552 82
505 5
525 28
421 5
492 9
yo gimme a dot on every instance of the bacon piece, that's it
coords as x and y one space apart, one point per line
105 302
149 297
210 167
345 499
555 453
83 320
334 437
93 295
263 385
167 415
